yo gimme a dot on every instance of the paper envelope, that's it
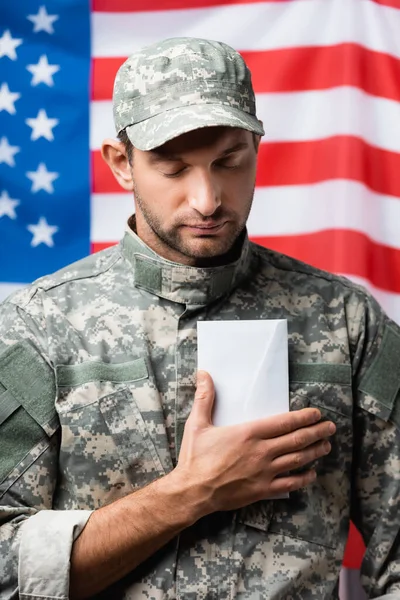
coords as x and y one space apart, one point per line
248 361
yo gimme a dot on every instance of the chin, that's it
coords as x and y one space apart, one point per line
206 249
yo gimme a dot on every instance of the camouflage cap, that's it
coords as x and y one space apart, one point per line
181 84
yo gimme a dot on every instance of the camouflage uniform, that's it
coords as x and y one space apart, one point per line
97 372
97 378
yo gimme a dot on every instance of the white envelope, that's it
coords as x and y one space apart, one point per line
248 361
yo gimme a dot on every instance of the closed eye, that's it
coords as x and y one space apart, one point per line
176 174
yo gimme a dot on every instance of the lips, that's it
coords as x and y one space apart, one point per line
207 227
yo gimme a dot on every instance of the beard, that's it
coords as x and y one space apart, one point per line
211 249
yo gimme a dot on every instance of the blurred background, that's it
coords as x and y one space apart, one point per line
327 78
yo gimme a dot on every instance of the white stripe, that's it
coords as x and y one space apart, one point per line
389 301
109 213
255 26
286 210
350 585
336 204
302 116
8 288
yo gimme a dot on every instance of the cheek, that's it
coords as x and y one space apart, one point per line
238 192
159 194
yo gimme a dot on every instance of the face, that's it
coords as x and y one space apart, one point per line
193 194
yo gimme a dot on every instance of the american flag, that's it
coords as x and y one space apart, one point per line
327 80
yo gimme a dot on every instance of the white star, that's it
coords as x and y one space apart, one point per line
42 233
8 45
42 179
42 126
7 152
7 205
43 72
43 21
7 99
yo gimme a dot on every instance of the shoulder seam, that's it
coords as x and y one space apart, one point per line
317 273
86 276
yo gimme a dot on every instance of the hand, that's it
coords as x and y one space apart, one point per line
236 465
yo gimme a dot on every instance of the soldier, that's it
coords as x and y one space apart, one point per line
113 481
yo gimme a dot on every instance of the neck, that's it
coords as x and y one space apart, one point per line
159 247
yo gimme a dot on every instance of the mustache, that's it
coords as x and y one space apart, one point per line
198 220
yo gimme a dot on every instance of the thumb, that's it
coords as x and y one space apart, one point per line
203 399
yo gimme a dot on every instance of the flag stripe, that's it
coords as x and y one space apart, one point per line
338 157
295 69
253 26
354 254
302 163
353 550
8 288
302 209
304 212
342 250
339 111
343 204
391 3
158 5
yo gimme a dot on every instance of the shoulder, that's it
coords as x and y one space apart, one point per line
93 268
303 280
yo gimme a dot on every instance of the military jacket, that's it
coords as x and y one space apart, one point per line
97 378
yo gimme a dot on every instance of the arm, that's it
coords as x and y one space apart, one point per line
246 462
29 441
376 488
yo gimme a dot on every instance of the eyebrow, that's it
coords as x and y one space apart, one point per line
157 156
235 148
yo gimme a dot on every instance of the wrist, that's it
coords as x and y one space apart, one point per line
185 496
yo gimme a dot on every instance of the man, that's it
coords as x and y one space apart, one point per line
114 482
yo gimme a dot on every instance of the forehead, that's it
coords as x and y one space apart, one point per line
214 139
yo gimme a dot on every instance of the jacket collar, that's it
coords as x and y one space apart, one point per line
180 283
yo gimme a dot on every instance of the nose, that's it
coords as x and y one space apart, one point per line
204 194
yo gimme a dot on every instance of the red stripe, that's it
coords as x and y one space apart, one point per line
97 246
338 157
154 5
354 550
343 251
336 251
391 3
319 68
302 163
296 69
103 75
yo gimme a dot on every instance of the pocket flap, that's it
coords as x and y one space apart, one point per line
73 375
320 373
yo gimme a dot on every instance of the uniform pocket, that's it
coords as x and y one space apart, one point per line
130 434
105 441
318 513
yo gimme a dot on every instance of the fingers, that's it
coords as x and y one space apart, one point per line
284 485
300 439
282 424
296 460
203 400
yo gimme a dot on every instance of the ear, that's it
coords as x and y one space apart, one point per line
114 153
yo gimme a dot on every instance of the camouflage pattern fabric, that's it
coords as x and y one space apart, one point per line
109 348
181 84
